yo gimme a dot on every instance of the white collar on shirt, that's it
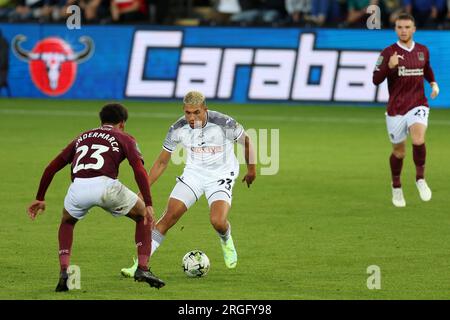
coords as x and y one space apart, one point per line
406 48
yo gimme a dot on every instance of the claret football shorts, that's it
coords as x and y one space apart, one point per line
109 194
398 126
216 186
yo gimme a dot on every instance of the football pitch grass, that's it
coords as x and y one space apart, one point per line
308 232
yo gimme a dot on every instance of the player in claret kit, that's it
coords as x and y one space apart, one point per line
405 64
95 156
211 169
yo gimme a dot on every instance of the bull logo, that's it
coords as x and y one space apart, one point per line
52 63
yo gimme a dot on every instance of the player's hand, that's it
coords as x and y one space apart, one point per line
35 208
434 90
149 214
393 60
249 177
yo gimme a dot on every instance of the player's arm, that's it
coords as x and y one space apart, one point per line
136 162
61 160
386 65
250 158
169 145
140 175
434 89
429 76
159 166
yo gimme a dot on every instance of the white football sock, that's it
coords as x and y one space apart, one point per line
224 237
157 239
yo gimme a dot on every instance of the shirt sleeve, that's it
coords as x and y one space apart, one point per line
68 153
61 160
172 140
132 151
141 177
233 129
382 70
428 71
136 160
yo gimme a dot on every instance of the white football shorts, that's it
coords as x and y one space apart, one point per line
109 194
193 184
398 126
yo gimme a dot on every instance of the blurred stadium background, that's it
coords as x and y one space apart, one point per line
336 13
301 67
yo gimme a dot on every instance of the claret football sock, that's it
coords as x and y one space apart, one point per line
143 243
65 237
396 169
157 239
419 155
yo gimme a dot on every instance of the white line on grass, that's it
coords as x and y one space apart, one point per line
174 116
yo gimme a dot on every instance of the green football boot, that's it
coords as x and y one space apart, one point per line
129 272
229 253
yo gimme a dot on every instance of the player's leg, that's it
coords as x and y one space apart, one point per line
142 235
396 164
417 120
143 240
219 196
121 201
136 214
219 219
185 193
417 131
174 211
79 199
398 132
181 198
65 239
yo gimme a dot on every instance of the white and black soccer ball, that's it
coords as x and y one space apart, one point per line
195 264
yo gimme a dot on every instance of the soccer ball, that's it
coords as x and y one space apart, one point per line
195 263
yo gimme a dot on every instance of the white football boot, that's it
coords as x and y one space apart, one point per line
424 190
397 197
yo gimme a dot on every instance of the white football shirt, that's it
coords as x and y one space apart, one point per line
209 148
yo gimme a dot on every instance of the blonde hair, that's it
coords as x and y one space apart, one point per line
194 98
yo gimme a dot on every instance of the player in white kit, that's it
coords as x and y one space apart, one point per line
211 169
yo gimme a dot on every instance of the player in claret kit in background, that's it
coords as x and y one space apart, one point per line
95 156
405 64
211 169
